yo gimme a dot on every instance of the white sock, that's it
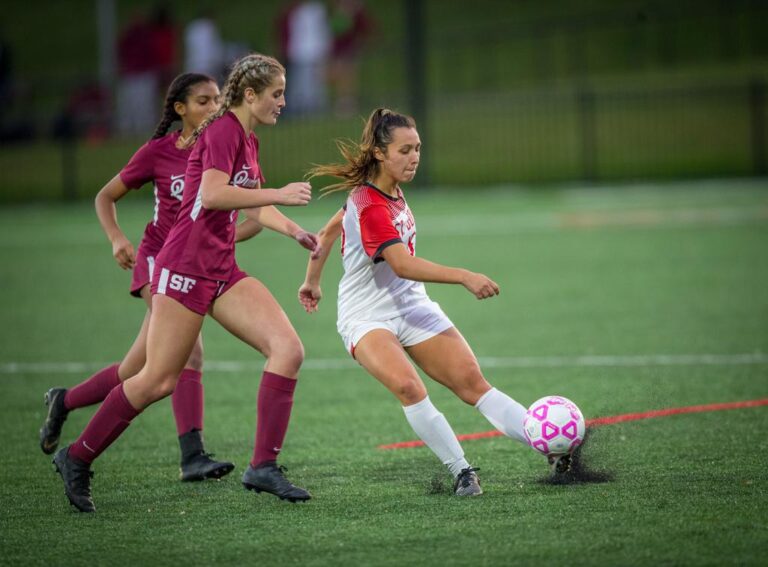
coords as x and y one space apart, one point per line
432 428
504 413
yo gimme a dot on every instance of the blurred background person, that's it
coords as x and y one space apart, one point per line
351 26
203 47
305 35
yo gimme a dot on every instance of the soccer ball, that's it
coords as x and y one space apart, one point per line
554 425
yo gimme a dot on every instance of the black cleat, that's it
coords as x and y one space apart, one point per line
467 483
196 464
77 480
268 477
559 464
54 420
202 466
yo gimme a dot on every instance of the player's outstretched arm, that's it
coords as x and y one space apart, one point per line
269 217
247 230
310 292
412 268
218 194
106 211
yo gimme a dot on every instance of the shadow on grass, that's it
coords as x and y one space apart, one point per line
580 471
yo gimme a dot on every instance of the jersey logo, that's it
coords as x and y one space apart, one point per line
241 179
181 283
177 186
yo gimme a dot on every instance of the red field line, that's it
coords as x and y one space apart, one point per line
609 420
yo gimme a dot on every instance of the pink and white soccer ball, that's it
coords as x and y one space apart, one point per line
554 425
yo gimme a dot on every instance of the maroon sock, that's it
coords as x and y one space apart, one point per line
93 390
106 425
187 401
274 411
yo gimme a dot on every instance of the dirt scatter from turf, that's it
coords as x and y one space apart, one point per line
580 471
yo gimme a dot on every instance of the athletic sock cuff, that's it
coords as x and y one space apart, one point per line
277 382
423 405
485 397
124 408
190 375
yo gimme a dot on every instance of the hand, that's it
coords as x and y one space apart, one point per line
481 286
122 250
310 242
309 296
295 194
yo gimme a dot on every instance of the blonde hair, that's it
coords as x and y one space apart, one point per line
361 163
255 71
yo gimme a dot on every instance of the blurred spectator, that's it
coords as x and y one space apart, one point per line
165 39
305 40
204 50
86 114
15 124
351 26
138 78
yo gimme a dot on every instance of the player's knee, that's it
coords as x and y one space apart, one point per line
471 387
164 386
410 391
195 360
288 354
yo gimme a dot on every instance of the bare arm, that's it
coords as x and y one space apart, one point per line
269 217
106 211
418 269
218 194
247 230
310 292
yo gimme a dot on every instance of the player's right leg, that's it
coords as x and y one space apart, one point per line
172 332
382 355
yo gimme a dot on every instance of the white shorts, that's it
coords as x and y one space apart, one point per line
424 321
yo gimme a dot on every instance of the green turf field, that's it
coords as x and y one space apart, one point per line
597 284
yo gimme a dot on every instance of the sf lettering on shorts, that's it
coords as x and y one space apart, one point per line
193 292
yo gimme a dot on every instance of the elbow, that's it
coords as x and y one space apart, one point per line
207 199
400 269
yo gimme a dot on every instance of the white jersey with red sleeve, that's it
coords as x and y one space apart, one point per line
369 290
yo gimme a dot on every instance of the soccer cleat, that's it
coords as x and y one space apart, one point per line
196 464
467 483
269 477
54 420
77 480
202 466
559 464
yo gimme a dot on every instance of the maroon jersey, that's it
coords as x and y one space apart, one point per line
162 163
202 241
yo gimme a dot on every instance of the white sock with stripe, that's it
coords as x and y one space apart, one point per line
432 428
504 413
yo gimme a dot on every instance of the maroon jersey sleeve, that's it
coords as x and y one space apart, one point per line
376 229
222 148
140 169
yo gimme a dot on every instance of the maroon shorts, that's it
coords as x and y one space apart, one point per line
142 271
193 292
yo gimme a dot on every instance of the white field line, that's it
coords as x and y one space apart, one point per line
224 366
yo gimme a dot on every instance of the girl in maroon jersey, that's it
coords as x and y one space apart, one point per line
196 274
191 98
385 316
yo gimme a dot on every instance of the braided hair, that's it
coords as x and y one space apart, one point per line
255 71
361 163
178 91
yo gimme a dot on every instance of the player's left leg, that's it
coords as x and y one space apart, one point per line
250 312
448 359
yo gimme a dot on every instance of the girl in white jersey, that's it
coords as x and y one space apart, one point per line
384 311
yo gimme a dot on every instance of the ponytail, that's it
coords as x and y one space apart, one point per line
361 164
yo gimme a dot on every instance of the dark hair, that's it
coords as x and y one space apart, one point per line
178 91
255 71
361 163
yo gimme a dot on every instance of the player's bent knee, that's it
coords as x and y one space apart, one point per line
289 354
410 391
